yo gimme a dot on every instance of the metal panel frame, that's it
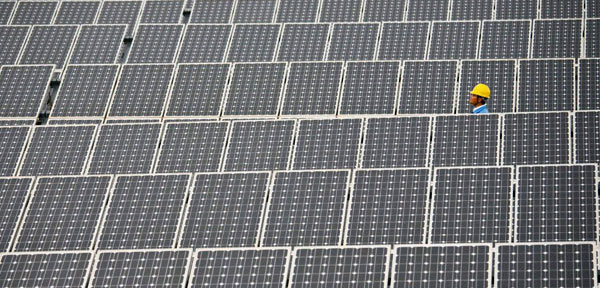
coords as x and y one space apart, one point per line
518 82
133 42
482 31
232 35
427 40
116 57
137 19
18 3
25 40
479 34
59 6
12 237
44 96
180 11
67 55
184 35
325 49
581 35
375 44
515 81
403 16
321 8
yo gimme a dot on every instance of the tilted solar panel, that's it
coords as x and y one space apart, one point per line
471 10
162 11
13 39
554 79
13 140
439 76
155 43
34 12
49 44
204 43
296 11
6 10
253 43
247 11
23 89
403 41
98 44
586 144
516 9
431 10
557 38
353 41
212 11
303 42
77 12
120 12
14 192
505 39
384 10
340 10
454 40
560 9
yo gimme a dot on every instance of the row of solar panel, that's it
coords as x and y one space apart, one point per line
301 208
523 265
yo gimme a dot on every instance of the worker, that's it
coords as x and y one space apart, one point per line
480 95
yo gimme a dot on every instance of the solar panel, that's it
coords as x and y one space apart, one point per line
140 268
74 121
586 137
255 89
388 206
13 140
592 9
556 203
13 39
49 45
327 144
312 88
303 42
384 10
430 10
296 11
6 9
23 89
120 12
353 41
46 269
263 267
85 91
34 12
505 39
13 197
370 88
144 48
16 122
98 44
124 148
454 40
516 9
499 75
57 150
464 265
225 210
340 10
536 138
77 12
438 76
592 30
340 267
253 43
306 208
471 10
204 43
403 41
63 213
558 9
555 79
546 265
557 38
212 11
162 11
472 205
248 11
141 90
144 211
192 147
466 140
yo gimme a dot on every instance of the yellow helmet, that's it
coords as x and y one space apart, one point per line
481 90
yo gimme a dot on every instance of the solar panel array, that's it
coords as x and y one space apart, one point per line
313 143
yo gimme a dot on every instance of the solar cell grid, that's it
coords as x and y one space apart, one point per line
57 150
303 42
592 30
6 9
556 203
63 213
557 38
340 267
144 211
340 10
353 41
546 265
384 10
249 11
148 268
259 145
370 88
98 44
403 41
162 11
49 44
45 269
34 12
253 43
439 76
77 12
297 11
472 205
74 121
442 266
192 147
23 89
592 9
263 267
225 210
388 206
85 91
14 192
430 10
13 39
306 208
454 40
312 88
561 9
120 12
212 11
586 137
133 120
16 122
471 10
124 148
554 79
499 75
327 144
255 89
204 43
13 140
144 48
536 138
516 9
505 39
